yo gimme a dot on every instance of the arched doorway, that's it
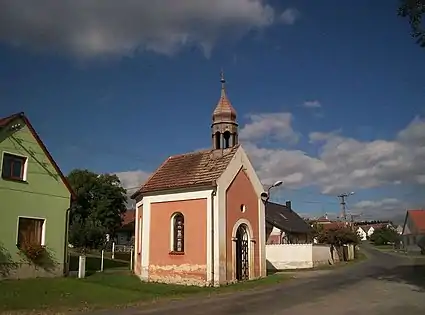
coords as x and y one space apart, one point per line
242 253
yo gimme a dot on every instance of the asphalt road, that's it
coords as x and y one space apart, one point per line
383 284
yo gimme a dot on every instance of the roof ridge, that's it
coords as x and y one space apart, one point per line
191 152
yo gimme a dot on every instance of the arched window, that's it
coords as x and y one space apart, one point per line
178 233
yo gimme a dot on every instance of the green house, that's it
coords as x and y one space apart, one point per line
34 204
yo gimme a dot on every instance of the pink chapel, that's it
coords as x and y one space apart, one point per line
200 218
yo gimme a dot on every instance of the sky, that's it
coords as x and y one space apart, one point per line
329 96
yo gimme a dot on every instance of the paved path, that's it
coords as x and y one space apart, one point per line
384 284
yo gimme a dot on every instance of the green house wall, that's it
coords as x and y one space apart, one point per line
43 195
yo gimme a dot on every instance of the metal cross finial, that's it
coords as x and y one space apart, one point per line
223 83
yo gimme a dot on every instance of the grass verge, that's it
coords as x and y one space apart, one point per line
52 295
93 263
390 250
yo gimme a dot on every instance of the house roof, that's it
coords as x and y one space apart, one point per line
128 216
128 220
285 219
189 170
334 225
5 122
323 219
375 226
418 218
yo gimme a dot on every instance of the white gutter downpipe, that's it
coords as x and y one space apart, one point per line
213 195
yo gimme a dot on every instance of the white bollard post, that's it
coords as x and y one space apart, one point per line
82 267
113 250
131 260
101 261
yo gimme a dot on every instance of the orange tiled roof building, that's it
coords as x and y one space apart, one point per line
200 218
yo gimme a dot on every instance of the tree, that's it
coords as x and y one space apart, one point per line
338 237
98 209
413 10
384 236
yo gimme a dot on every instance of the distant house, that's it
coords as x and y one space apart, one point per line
362 233
413 235
323 220
366 231
125 235
399 229
285 226
35 198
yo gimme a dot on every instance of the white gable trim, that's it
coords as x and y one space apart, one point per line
239 161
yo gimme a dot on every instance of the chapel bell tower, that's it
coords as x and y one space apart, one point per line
224 128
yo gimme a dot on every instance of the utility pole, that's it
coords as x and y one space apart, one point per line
343 205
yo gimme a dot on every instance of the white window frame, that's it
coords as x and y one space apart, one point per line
43 228
24 176
172 231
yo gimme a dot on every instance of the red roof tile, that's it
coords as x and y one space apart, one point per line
418 218
334 225
128 216
6 120
190 170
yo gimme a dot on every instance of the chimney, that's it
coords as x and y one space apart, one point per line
288 205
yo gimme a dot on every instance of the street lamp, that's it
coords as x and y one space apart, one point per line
266 196
276 184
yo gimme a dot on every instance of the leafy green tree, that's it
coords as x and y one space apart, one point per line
384 236
413 10
98 209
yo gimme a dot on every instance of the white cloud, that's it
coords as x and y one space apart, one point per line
289 16
342 163
273 126
132 180
89 28
379 209
312 104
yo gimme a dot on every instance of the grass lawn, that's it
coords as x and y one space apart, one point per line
101 291
93 262
390 249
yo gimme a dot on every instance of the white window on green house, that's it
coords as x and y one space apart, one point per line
31 231
14 167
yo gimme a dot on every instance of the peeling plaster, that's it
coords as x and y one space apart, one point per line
186 274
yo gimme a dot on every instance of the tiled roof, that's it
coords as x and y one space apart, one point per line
6 120
334 226
285 219
418 218
190 170
128 216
